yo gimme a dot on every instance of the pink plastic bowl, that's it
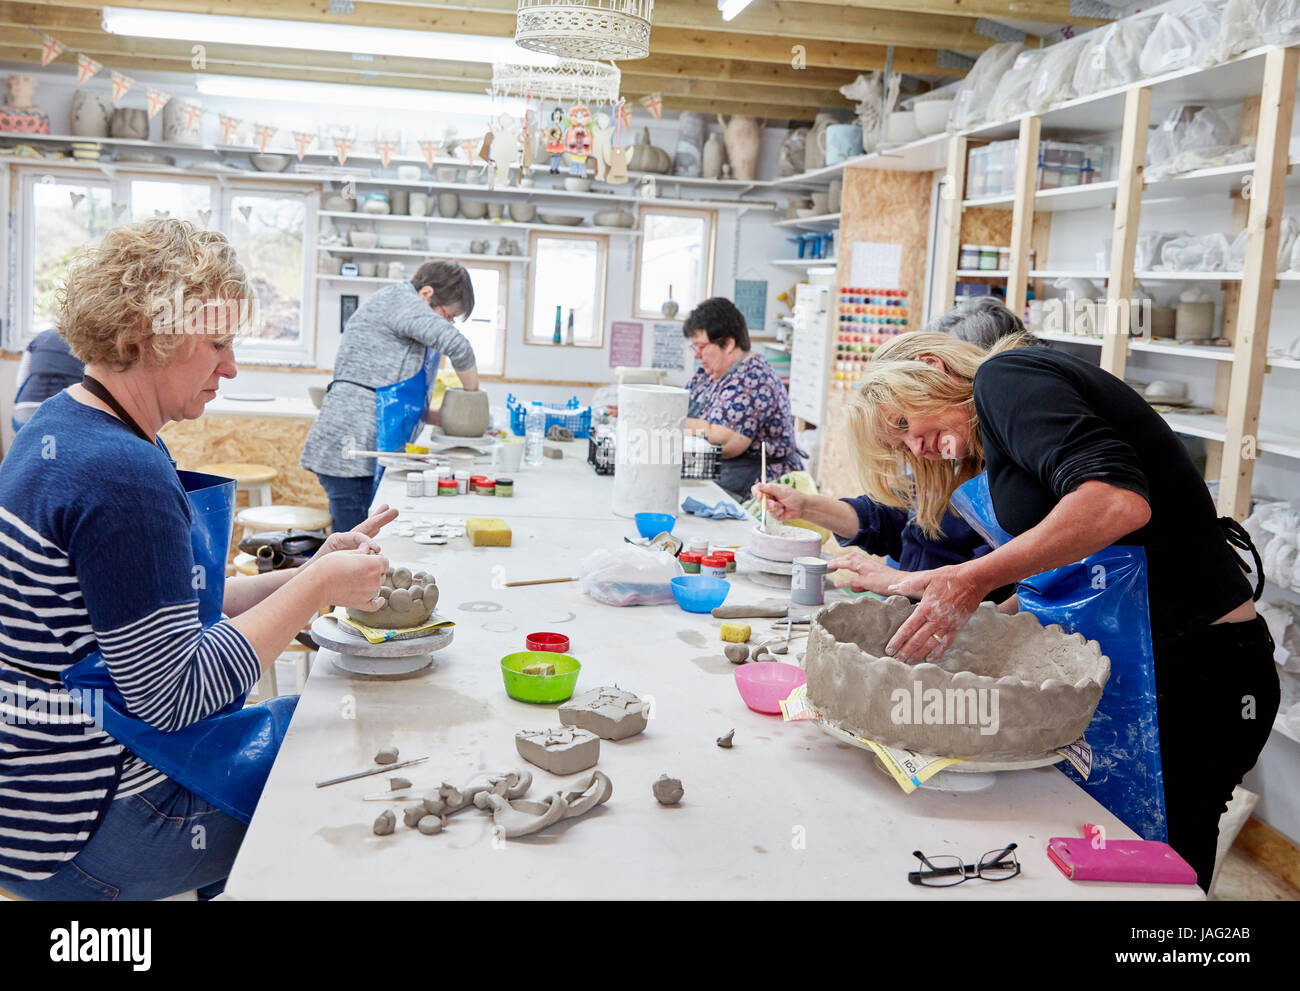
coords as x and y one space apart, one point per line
764 684
556 643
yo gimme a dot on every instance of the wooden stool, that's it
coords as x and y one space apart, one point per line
256 519
254 479
245 564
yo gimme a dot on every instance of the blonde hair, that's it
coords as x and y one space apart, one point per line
112 301
899 383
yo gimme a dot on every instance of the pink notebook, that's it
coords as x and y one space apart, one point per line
1141 861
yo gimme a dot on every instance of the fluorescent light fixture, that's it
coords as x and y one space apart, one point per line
220 29
346 94
729 8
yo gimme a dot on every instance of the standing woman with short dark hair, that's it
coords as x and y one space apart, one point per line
737 401
395 333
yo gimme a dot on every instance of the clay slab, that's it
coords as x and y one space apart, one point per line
564 750
610 712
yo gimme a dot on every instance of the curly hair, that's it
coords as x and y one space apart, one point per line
139 288
719 318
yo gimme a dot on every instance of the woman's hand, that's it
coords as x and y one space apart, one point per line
871 575
783 502
948 598
352 578
360 538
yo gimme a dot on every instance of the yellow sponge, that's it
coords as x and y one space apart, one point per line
487 532
416 449
735 632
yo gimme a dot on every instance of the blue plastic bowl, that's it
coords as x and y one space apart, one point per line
700 593
650 525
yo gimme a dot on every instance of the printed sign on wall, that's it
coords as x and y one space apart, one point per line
670 347
751 301
625 345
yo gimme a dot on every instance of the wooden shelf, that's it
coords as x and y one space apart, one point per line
982 273
802 262
1279 441
1158 276
335 249
493 224
826 221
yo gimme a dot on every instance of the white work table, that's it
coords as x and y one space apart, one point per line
789 812
280 406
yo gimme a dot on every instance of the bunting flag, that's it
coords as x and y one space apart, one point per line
654 102
430 149
264 134
86 67
228 126
469 147
51 48
193 112
622 117
302 140
385 148
157 100
121 83
341 148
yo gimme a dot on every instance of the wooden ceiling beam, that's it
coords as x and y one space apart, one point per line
1041 11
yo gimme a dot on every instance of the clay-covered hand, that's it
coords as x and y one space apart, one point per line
360 537
783 502
868 574
352 579
948 598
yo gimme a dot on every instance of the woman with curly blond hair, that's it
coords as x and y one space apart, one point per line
96 559
1076 462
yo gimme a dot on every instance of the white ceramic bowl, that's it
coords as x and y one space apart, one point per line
932 115
1164 389
408 173
523 213
363 239
613 218
577 184
901 127
473 209
270 163
562 219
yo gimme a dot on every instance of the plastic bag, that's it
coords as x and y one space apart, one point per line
1206 253
1286 241
1293 263
1248 24
1193 137
1011 98
1111 54
971 105
1182 38
629 576
1055 80
1147 254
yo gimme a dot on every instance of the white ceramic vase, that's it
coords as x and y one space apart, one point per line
648 454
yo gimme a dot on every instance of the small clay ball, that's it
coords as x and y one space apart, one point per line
386 823
413 815
430 825
737 653
401 578
388 755
400 600
398 784
667 791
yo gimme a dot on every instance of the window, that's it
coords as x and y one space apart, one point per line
486 327
190 201
567 282
66 216
267 233
674 260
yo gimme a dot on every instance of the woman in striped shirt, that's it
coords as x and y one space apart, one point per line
95 555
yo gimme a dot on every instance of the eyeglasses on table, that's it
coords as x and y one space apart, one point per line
945 871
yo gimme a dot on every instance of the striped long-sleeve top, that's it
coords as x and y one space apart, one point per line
94 555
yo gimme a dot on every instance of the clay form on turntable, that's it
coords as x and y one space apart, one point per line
385 823
566 750
465 413
409 600
724 741
783 543
609 712
388 755
520 817
667 791
1008 687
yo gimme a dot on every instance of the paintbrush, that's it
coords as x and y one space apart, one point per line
762 475
539 581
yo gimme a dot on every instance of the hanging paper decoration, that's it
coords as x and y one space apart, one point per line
302 140
247 211
654 102
623 117
76 198
469 147
51 48
118 210
157 100
341 148
193 112
86 67
228 126
430 149
264 134
385 148
121 83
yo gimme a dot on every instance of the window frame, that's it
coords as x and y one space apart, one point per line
711 219
601 288
503 311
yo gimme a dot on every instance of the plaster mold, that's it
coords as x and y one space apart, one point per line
560 751
409 600
610 712
1008 687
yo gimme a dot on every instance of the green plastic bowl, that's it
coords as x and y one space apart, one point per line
535 687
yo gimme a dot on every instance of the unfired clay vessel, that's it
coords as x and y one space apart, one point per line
742 136
409 597
1048 682
465 413
560 751
129 122
609 712
715 154
90 114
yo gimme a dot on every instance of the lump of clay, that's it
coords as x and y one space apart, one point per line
609 712
412 816
560 751
386 823
1007 688
724 741
388 755
430 825
398 784
737 653
465 413
667 791
409 600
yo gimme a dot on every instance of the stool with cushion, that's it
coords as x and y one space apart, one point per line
257 519
251 478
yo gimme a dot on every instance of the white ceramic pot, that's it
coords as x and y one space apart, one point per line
418 205
742 136
932 115
901 127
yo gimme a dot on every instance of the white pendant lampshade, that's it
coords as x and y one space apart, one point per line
572 81
585 29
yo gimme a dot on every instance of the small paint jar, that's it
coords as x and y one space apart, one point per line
414 484
444 471
806 581
476 482
446 486
487 486
431 483
970 256
698 545
730 558
505 487
462 482
714 566
690 561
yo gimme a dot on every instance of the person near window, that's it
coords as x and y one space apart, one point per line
100 541
736 399
392 335
46 369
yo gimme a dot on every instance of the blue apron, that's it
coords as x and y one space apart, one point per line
1103 597
399 411
226 757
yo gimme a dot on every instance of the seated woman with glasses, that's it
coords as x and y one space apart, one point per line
737 401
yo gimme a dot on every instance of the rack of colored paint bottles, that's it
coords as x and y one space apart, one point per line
867 319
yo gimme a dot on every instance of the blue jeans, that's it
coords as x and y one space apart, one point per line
160 842
349 499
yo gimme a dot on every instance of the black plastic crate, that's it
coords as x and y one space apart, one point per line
600 454
699 465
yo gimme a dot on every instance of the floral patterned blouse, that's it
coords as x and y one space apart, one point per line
750 399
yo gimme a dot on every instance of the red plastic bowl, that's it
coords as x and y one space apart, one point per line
557 643
764 684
